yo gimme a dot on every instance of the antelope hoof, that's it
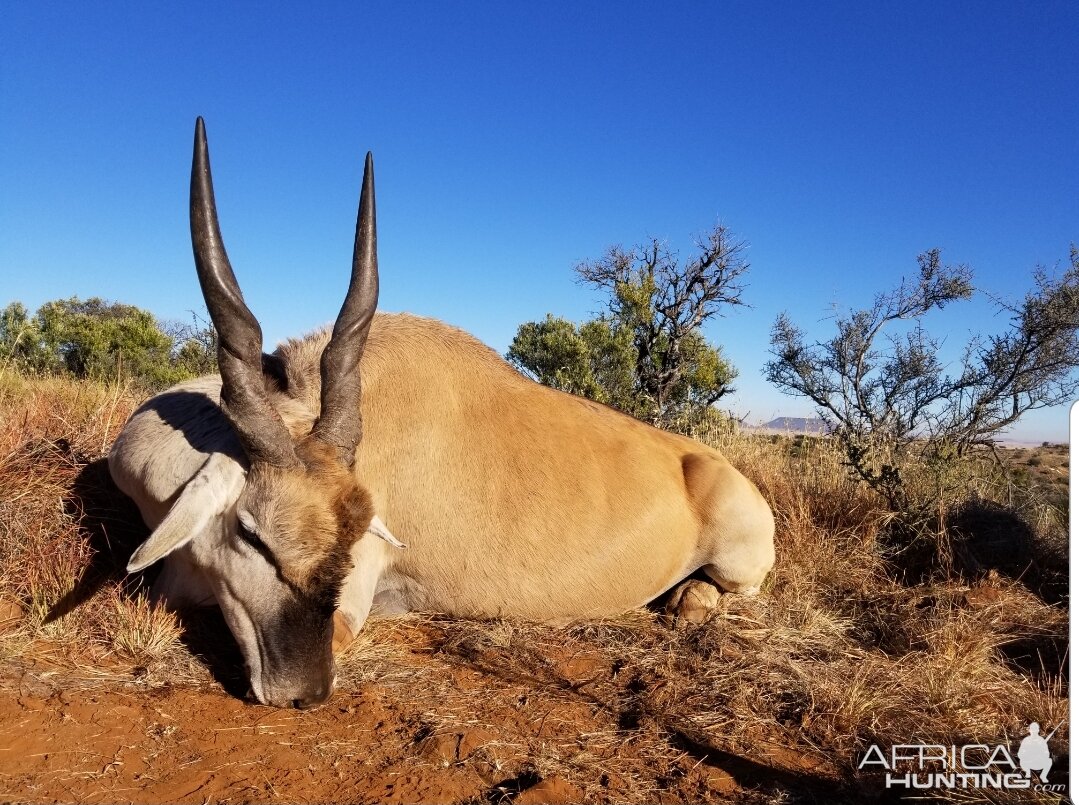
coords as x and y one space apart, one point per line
342 634
693 602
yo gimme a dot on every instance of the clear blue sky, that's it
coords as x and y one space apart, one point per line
513 140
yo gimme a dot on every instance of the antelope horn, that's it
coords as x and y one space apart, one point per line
239 345
340 424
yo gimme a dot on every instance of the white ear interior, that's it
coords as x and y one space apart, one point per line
378 528
209 494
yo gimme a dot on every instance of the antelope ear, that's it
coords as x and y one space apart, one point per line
209 494
378 528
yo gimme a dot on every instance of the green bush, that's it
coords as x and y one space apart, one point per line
103 340
646 356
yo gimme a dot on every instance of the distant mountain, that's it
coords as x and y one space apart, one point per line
797 424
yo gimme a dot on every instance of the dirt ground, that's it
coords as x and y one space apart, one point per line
475 730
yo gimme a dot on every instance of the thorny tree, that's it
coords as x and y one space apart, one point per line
662 303
883 402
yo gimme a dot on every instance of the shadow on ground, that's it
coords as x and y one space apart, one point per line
110 524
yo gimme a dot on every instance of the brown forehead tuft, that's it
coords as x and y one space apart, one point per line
314 516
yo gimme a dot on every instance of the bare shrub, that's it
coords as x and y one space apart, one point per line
887 403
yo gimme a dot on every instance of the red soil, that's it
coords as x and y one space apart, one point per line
459 732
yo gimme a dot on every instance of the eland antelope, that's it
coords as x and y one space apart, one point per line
453 484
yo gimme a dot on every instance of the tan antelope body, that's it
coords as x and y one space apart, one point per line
511 499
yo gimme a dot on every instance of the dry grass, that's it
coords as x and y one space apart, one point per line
843 649
62 528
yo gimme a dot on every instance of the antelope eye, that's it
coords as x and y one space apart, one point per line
252 539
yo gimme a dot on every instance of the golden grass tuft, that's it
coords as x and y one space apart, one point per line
59 518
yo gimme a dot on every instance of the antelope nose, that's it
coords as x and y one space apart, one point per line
314 698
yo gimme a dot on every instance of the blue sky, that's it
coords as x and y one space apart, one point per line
513 140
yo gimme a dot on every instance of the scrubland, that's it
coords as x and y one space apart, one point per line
864 635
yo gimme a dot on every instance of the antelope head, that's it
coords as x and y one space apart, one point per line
274 538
